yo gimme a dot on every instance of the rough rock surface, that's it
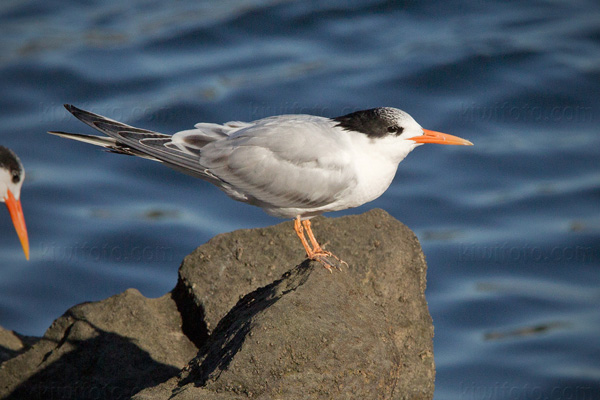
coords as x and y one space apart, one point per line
265 327
109 349
13 344
272 331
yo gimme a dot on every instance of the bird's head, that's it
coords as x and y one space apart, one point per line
12 175
395 128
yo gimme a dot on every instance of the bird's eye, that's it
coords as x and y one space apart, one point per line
15 177
395 129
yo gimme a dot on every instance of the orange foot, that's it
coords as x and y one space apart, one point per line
316 252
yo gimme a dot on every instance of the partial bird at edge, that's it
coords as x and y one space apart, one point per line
12 175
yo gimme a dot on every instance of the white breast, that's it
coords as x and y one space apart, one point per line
375 162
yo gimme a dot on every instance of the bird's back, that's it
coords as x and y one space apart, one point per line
284 164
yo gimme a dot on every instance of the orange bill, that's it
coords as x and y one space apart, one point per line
16 213
440 138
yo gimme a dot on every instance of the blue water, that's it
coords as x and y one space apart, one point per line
510 226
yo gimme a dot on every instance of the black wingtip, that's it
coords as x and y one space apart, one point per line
81 114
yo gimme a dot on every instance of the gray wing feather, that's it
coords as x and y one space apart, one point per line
265 163
251 162
140 142
108 143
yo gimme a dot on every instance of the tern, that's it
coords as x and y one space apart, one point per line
291 166
12 175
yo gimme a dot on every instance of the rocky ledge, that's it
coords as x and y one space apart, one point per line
246 321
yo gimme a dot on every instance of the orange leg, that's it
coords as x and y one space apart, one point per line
311 236
316 252
300 232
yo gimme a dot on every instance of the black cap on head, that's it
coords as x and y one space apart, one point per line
10 162
375 122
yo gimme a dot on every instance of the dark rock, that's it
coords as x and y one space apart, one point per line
105 350
266 327
13 344
302 332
